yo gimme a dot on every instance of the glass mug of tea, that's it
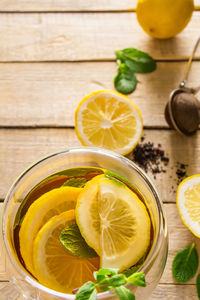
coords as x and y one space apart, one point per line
57 196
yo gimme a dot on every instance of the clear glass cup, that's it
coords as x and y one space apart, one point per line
153 267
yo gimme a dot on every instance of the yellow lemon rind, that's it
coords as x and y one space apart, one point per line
80 137
186 223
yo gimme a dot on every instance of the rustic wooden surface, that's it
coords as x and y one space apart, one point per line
52 53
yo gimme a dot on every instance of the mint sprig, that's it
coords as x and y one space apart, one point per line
131 61
185 264
110 279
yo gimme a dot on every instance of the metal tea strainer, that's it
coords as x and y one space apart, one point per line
182 112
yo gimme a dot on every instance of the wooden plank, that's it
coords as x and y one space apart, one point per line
174 292
179 237
19 148
3 275
73 36
47 94
69 5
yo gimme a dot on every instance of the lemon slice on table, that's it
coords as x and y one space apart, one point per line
114 222
55 266
188 203
110 120
48 205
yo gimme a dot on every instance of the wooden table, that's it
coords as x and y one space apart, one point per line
52 53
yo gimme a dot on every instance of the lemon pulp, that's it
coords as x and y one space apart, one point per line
188 203
48 205
114 222
110 120
55 266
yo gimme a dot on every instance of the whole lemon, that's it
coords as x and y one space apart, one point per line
164 19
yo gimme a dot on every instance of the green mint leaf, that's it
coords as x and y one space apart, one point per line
198 285
76 182
185 264
87 292
125 81
131 270
104 273
72 239
137 61
137 279
117 280
124 293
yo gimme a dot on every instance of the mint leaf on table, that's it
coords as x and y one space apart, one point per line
137 61
124 293
72 239
87 291
198 285
75 182
125 81
131 61
185 264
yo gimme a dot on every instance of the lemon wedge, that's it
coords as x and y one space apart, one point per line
48 205
188 203
110 120
114 222
55 266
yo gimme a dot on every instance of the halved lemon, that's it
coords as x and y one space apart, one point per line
110 120
114 222
188 203
48 205
55 266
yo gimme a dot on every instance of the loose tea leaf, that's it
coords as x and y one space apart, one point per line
185 264
72 239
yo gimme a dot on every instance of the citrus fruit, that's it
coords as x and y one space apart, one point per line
114 222
55 266
188 203
109 120
48 205
164 18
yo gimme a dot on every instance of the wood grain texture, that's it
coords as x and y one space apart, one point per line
174 292
85 36
47 94
19 148
69 5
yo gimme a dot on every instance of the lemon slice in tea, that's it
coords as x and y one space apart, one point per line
188 203
55 266
114 222
48 205
110 120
